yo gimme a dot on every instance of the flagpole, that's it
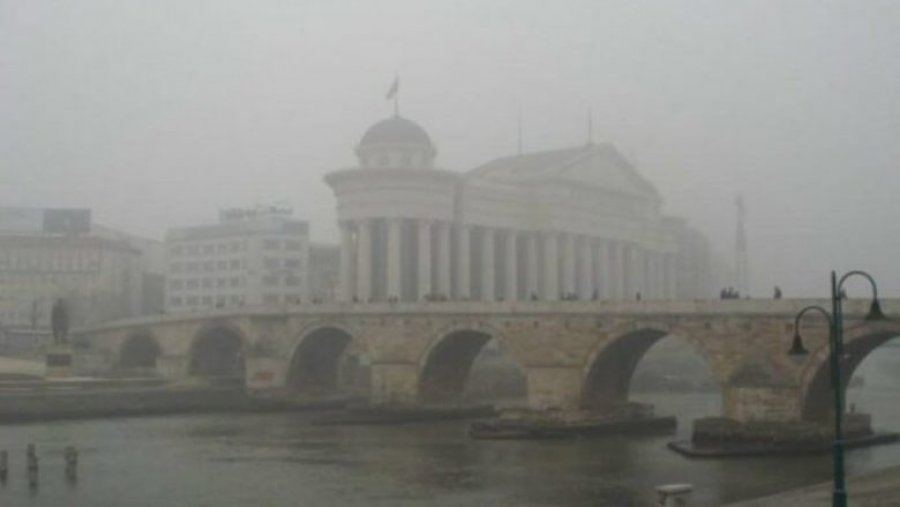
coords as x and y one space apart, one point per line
590 126
397 94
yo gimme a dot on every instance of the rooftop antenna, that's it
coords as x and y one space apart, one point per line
741 262
394 93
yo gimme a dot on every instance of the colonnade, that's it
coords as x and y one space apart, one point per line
417 259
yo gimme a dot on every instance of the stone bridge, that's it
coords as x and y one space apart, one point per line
574 354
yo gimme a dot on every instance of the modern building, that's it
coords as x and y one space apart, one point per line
324 270
251 257
575 223
47 254
153 266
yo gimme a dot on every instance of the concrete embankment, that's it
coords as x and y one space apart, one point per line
881 489
46 402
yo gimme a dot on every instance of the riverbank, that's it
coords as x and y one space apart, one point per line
72 399
876 489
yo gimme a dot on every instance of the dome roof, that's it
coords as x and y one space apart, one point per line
395 130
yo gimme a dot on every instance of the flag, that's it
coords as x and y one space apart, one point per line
392 91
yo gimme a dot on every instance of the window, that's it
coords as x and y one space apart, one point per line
292 263
193 283
207 249
270 281
235 300
221 247
221 283
176 267
209 266
220 301
293 244
270 299
292 281
272 244
193 300
207 300
234 247
176 284
176 301
176 250
234 264
222 265
234 281
193 249
272 263
207 283
192 267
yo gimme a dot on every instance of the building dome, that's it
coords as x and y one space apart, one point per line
395 130
396 143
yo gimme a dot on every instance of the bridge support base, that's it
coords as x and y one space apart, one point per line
59 361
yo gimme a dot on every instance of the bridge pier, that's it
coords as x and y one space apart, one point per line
266 372
395 383
557 387
172 367
758 403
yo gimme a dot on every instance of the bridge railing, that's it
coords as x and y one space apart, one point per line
855 308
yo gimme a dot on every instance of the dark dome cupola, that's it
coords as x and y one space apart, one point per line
396 143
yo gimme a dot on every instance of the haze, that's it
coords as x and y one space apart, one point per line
157 114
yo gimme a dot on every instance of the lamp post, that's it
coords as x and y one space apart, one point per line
836 351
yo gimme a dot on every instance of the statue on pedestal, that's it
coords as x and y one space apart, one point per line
59 321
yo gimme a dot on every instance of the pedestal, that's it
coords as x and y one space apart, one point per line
59 361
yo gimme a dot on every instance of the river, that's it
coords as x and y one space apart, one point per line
281 459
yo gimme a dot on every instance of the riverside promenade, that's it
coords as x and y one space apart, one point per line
876 489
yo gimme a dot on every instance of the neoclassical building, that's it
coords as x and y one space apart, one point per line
571 223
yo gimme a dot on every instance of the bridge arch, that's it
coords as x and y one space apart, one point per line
316 359
139 352
817 403
445 365
611 365
218 349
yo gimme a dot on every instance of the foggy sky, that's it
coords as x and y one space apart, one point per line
159 113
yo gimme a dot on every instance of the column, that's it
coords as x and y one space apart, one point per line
601 273
568 259
531 268
551 263
424 273
659 279
671 276
463 275
586 284
443 259
346 263
393 259
650 274
487 266
636 271
511 291
617 267
364 262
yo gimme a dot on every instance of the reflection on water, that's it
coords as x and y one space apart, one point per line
237 460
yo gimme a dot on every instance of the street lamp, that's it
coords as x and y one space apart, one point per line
836 351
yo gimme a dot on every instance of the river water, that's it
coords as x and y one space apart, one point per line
281 459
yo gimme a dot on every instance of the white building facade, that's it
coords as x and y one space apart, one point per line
49 254
251 257
577 223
